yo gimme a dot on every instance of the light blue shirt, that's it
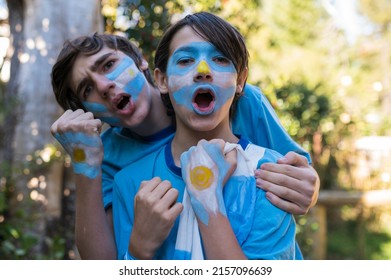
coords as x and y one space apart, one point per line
255 120
263 230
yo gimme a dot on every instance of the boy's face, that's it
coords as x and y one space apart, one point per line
111 87
201 81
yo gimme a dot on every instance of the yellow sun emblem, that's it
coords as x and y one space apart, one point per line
201 177
131 72
79 155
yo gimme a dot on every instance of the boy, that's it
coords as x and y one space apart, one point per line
201 65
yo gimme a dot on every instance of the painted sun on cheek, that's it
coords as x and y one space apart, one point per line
201 177
131 72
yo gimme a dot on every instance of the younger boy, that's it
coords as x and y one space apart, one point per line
201 65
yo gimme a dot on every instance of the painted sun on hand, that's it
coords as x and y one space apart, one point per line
201 177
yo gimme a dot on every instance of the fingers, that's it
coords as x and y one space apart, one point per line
76 121
159 195
285 205
294 159
286 169
289 187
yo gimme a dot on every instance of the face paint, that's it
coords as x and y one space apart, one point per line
203 170
201 58
220 96
128 77
85 151
101 112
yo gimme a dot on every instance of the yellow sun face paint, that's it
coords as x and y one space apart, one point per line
79 155
203 67
131 73
201 177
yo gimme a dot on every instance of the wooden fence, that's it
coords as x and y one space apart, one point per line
337 198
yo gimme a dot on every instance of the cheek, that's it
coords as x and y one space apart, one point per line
96 108
101 112
226 79
177 82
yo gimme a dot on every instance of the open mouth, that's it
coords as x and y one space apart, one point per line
203 102
123 102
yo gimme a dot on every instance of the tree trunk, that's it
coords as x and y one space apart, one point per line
38 31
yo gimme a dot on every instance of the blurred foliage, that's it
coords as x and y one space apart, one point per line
327 91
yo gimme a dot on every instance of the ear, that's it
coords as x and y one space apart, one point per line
144 65
161 81
241 80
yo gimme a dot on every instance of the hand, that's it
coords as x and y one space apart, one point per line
291 184
205 171
78 133
155 211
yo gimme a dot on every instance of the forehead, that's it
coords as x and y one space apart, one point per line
85 64
184 36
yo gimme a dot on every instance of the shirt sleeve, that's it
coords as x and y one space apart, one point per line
256 120
273 232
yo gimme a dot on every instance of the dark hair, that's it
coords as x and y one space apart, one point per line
213 29
86 45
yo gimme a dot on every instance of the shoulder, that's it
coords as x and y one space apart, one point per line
251 94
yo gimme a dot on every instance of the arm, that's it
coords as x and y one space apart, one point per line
93 229
283 189
78 133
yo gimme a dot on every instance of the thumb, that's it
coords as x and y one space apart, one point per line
294 159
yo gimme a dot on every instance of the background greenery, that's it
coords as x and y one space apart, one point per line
328 92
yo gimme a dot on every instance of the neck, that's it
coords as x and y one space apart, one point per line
186 138
156 119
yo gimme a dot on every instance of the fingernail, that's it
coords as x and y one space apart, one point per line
259 182
283 159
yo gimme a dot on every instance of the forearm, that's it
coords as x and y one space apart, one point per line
219 240
94 234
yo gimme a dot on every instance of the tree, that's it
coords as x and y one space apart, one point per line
33 184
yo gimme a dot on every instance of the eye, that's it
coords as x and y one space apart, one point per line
185 61
87 91
221 60
107 66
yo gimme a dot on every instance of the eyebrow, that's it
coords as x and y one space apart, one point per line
93 67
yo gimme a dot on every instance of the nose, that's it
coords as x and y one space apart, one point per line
203 72
104 86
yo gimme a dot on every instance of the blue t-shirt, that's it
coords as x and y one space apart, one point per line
263 230
255 120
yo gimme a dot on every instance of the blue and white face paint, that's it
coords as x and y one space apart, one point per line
127 77
207 94
100 112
